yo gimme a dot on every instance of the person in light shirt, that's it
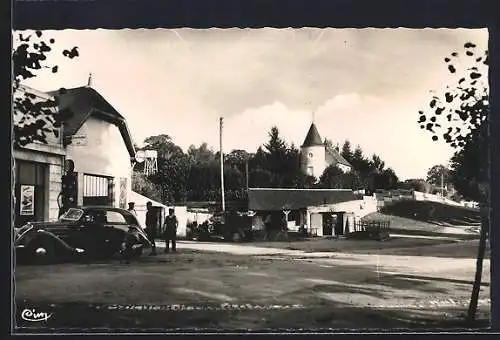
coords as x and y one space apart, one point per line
131 208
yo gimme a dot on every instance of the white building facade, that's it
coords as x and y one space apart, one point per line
102 163
99 143
95 137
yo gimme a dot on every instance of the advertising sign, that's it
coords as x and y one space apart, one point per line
27 206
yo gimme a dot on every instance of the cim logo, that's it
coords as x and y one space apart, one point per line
33 316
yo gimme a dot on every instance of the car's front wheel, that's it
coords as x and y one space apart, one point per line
138 251
236 237
42 251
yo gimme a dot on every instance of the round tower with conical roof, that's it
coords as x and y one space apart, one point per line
312 153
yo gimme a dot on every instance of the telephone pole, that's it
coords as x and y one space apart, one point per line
246 172
221 165
442 184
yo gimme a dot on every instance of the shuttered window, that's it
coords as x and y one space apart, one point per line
95 186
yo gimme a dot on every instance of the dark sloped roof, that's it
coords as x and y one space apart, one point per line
312 138
332 155
272 199
84 102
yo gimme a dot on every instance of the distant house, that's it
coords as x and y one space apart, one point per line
315 156
95 137
312 209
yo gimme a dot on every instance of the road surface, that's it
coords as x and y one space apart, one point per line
218 285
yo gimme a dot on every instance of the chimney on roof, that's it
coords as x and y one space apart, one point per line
89 82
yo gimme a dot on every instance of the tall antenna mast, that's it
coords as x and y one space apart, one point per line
151 162
246 173
221 165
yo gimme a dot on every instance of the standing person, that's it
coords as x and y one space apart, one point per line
131 208
333 223
151 227
170 230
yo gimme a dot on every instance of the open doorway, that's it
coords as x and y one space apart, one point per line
339 224
328 224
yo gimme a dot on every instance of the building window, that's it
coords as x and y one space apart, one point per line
123 193
95 185
310 170
96 190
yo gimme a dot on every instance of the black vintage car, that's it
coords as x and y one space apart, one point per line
90 232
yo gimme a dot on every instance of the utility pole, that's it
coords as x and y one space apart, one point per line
246 172
221 165
442 183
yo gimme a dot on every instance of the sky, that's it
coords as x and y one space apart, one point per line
364 85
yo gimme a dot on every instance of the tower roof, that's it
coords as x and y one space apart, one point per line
313 138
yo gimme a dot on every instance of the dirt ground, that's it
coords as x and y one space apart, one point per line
211 286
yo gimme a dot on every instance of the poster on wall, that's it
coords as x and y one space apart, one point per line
27 205
123 193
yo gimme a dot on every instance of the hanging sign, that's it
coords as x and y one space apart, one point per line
79 140
27 206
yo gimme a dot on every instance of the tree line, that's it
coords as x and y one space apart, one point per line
195 175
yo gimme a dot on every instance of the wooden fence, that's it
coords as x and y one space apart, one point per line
372 229
375 225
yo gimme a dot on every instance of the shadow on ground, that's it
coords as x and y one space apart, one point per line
402 231
414 281
394 246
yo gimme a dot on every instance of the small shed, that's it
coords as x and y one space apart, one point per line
296 205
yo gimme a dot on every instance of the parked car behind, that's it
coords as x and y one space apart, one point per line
231 226
92 232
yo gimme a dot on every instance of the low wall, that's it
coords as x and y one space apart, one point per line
385 200
422 196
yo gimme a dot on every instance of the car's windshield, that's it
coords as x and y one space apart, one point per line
73 214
